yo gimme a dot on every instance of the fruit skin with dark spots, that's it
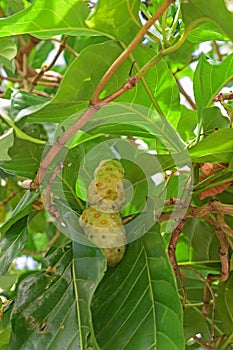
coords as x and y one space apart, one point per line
106 198
101 222
106 231
109 168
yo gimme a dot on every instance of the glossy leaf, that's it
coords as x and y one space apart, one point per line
196 11
5 112
21 100
137 305
26 153
188 248
52 308
118 20
213 149
8 51
213 120
132 119
187 124
44 19
75 94
206 31
216 75
12 243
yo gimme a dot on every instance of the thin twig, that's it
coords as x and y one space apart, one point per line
46 68
172 255
12 195
184 93
216 47
224 247
67 47
221 97
214 206
204 345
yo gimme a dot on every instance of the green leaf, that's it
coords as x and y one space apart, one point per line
6 142
88 270
212 120
195 323
120 20
40 54
205 32
75 94
22 209
187 124
6 116
196 11
7 281
121 118
26 153
209 79
45 19
137 305
225 306
21 100
8 51
15 5
213 149
189 249
12 243
52 308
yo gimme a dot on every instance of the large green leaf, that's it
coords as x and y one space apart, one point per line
189 250
202 11
117 19
217 147
44 19
209 79
75 94
136 306
205 32
120 118
12 243
52 308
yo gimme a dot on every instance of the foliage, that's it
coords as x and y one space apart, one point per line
85 81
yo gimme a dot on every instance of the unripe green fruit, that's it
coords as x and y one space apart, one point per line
106 231
106 198
109 168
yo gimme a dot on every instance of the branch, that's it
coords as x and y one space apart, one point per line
221 97
129 49
172 246
96 104
216 47
46 68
